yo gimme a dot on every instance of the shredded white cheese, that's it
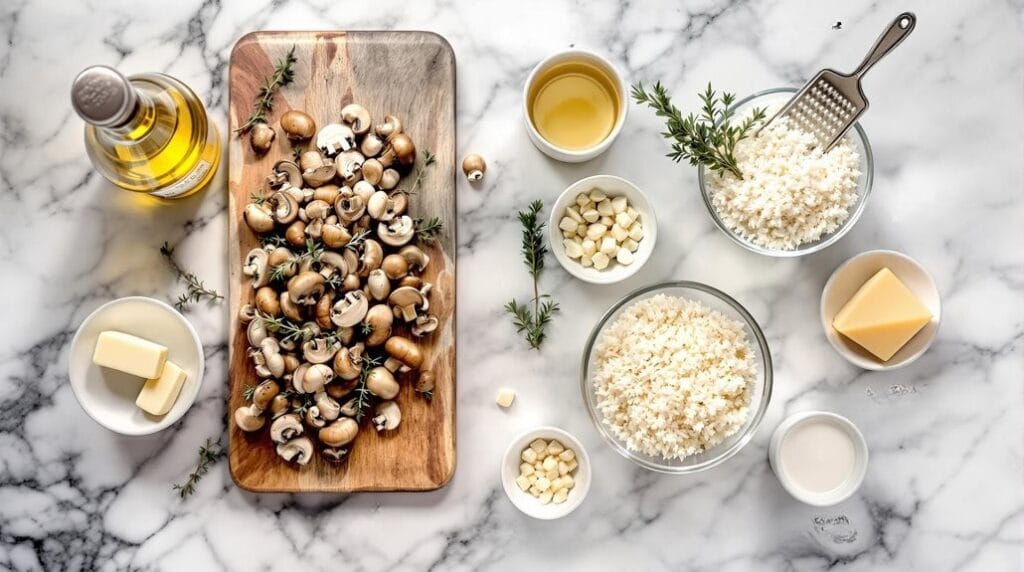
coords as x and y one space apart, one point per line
791 193
673 377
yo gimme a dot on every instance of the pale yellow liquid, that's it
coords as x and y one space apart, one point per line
574 105
170 149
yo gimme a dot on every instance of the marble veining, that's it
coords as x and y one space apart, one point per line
944 487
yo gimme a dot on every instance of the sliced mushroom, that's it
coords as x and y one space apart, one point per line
298 125
350 166
388 416
298 451
258 218
389 127
306 288
314 418
334 235
286 174
350 310
474 166
415 256
315 170
404 354
290 309
256 332
249 418
378 320
334 138
334 454
329 408
381 383
323 310
317 210
378 285
399 203
247 313
371 257
358 117
286 427
346 363
397 232
349 208
320 350
284 207
341 432
405 301
270 351
314 379
372 146
350 408
424 325
327 193
256 267
267 301
333 264
410 281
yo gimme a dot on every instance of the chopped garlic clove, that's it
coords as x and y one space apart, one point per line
526 469
582 199
601 260
523 483
573 249
624 257
554 447
608 246
543 484
605 208
623 220
589 247
630 245
567 455
560 496
574 214
563 468
597 195
539 446
636 232
596 231
568 482
618 233
545 497
535 491
550 463
586 261
607 221
591 215
619 205
505 397
567 224
529 455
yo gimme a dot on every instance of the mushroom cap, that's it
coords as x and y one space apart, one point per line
280 405
389 179
377 206
317 376
358 117
474 167
381 383
404 350
286 427
415 256
267 301
329 408
340 432
290 310
424 325
403 148
395 266
406 299
350 310
345 365
306 288
298 450
257 267
389 127
373 171
314 418
285 171
334 236
334 138
370 258
298 125
398 232
372 146
377 285
256 332
258 219
388 416
319 350
335 262
249 418
379 318
284 207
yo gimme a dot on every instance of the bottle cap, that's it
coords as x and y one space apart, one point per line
103 97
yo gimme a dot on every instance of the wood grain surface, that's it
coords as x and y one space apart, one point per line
410 75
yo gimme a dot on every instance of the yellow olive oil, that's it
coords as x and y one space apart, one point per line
148 133
574 105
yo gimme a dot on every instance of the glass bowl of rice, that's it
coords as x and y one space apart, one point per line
677 377
759 215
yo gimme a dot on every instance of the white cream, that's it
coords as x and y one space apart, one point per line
817 456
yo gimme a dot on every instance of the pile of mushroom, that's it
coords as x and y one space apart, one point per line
338 289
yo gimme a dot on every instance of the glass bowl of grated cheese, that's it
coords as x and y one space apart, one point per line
793 199
676 377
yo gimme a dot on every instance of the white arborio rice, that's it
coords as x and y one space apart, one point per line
673 377
791 193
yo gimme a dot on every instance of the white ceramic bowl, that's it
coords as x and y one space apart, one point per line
860 463
612 186
107 395
569 155
526 502
850 276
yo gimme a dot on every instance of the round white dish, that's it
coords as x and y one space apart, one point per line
526 502
612 186
850 276
107 395
860 465
569 155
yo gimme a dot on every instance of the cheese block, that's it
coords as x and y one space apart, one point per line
159 394
130 354
882 316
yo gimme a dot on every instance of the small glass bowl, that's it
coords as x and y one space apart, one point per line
780 95
716 300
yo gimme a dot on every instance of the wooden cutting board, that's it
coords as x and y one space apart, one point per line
407 74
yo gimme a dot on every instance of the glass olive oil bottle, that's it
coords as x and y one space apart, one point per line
147 133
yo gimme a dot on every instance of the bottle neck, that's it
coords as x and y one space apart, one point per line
142 120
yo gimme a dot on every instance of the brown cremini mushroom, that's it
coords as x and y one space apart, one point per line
474 167
297 125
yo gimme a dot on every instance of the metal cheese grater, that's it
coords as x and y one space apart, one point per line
832 102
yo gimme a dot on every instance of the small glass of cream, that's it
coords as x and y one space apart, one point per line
820 458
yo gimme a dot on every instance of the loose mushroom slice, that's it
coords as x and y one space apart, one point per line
280 405
349 208
323 310
405 301
395 267
346 363
270 351
334 454
424 325
286 428
290 309
388 416
334 235
267 301
373 171
249 418
258 218
398 232
378 320
246 313
256 332
404 354
286 173
381 383
341 432
306 288
350 166
350 310
314 418
372 146
329 408
256 267
358 117
316 377
298 451
320 350
297 125
333 264
316 172
399 202
425 383
389 127
334 138
415 256
284 207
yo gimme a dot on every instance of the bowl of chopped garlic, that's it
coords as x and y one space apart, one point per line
546 473
792 199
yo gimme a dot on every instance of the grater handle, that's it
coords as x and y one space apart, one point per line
897 31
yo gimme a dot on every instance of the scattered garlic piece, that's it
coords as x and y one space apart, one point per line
505 397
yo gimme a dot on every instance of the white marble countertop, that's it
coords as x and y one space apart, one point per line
944 487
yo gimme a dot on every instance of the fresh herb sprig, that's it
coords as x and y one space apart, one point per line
264 103
209 454
363 396
427 230
533 321
197 291
707 139
428 159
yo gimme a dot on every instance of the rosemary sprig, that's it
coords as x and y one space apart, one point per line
296 153
264 103
707 139
427 230
363 395
533 321
273 240
209 454
196 289
314 250
428 159
290 331
248 392
356 241
302 402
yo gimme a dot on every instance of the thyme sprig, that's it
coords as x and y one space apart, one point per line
427 230
707 139
356 241
428 159
196 291
283 327
533 321
209 454
363 396
264 103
